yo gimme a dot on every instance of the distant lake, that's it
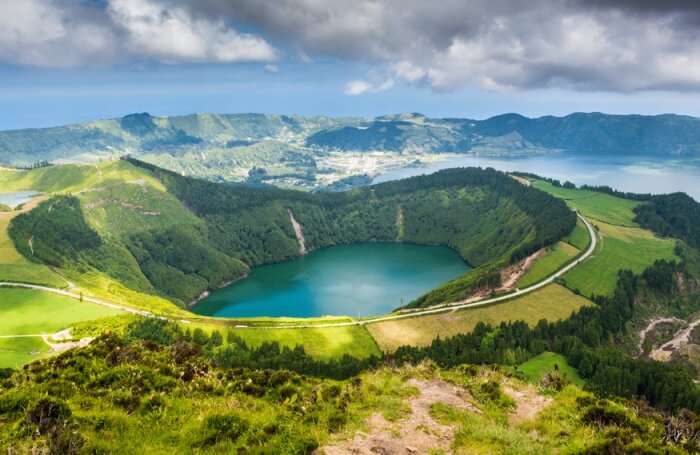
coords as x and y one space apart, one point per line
360 279
17 198
634 174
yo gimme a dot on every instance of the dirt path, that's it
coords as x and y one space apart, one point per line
663 353
418 433
298 232
529 403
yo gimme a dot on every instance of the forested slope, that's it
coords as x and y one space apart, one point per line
177 236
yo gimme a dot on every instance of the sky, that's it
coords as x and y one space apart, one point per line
67 61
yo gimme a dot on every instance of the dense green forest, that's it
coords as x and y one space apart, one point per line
674 215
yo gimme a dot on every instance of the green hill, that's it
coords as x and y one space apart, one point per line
157 232
152 390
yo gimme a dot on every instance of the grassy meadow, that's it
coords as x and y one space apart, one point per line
618 248
594 205
28 311
535 368
553 259
15 352
552 303
622 244
579 237
321 342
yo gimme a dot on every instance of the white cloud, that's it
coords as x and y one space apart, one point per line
359 87
497 44
409 71
40 33
492 44
270 68
173 34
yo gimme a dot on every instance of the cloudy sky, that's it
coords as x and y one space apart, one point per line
64 61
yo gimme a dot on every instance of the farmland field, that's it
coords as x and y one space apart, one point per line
618 248
552 302
554 259
579 237
24 311
598 206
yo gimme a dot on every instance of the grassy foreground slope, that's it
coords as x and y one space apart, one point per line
145 393
552 303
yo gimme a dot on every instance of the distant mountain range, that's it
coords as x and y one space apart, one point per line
231 146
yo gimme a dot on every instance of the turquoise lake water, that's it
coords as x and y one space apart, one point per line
354 280
16 198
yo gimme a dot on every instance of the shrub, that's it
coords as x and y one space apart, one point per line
222 427
48 413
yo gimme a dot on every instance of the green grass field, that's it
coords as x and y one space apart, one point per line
322 343
535 368
579 237
554 259
72 178
598 206
552 303
15 352
618 248
622 244
25 311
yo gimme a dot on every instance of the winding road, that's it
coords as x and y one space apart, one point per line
390 317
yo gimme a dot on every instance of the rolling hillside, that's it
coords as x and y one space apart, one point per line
157 233
313 152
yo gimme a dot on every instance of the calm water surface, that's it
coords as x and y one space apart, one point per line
361 279
635 174
16 198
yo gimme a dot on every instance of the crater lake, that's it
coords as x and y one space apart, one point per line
349 280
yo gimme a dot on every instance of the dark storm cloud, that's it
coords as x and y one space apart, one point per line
622 45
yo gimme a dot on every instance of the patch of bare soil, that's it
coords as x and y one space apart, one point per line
528 403
521 180
511 275
59 341
666 350
418 433
651 326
